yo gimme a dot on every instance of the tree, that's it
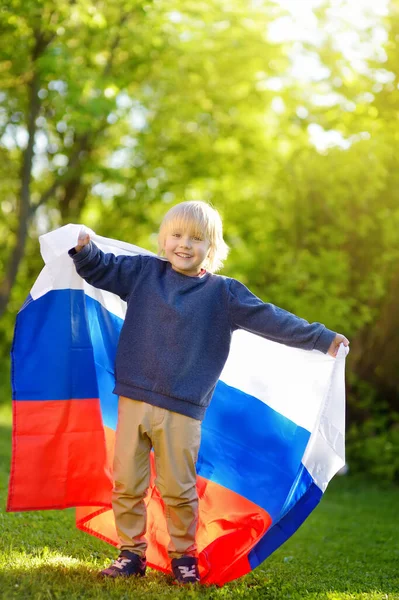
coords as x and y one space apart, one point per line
79 73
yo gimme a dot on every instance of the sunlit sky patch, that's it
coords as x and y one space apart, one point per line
347 21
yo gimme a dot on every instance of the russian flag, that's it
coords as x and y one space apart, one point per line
272 438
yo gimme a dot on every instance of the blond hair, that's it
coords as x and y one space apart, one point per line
201 219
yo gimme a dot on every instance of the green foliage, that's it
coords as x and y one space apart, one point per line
373 433
372 448
133 106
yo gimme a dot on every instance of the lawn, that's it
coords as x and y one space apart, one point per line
347 549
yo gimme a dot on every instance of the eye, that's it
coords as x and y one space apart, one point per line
197 238
176 235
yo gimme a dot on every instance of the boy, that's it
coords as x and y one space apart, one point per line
172 348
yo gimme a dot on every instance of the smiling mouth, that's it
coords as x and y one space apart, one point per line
183 255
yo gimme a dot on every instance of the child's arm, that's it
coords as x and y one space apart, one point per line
105 271
250 313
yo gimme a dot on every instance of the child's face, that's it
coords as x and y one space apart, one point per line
186 251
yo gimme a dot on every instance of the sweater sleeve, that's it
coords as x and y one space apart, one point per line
108 272
252 314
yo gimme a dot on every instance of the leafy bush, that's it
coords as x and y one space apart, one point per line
372 432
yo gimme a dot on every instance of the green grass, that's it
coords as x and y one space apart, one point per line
347 549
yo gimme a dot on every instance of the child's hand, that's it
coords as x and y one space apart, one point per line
335 344
83 240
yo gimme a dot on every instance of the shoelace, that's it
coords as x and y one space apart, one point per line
187 571
119 563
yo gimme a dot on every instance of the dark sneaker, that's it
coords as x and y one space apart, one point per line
185 569
127 564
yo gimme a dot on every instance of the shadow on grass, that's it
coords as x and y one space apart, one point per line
339 577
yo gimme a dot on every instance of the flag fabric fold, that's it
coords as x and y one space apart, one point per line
272 437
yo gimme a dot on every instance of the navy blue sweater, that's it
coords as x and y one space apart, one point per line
176 336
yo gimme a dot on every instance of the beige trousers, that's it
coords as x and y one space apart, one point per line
175 439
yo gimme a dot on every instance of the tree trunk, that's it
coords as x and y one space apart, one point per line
24 207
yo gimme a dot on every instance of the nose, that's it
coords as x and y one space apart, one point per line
185 242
